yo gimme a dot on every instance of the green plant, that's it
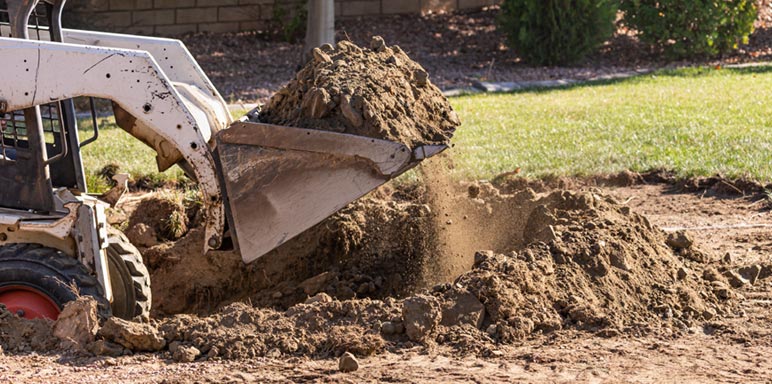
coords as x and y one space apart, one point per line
685 28
290 22
557 32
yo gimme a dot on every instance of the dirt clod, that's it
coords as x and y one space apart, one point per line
77 324
461 307
133 336
680 240
185 354
348 363
422 315
377 92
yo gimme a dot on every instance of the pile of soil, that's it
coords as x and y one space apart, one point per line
577 261
377 92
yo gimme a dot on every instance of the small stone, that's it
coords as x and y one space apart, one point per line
679 240
388 328
449 222
393 60
682 273
320 297
734 279
186 354
173 346
473 191
348 363
377 44
421 77
277 295
321 57
750 273
422 315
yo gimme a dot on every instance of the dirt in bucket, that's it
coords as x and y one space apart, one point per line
377 92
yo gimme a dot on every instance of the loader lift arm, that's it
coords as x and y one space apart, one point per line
39 72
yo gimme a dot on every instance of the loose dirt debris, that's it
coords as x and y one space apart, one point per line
377 92
572 261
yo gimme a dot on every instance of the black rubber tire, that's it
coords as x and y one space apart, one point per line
129 278
51 272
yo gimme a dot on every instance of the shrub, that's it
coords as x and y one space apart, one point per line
686 28
557 32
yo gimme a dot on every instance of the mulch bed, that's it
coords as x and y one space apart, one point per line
455 48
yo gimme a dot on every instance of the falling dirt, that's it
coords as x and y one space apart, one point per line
377 92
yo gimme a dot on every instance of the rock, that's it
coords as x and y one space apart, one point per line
377 44
421 315
421 77
463 308
350 113
186 354
682 273
348 363
319 298
734 279
78 323
105 348
750 273
313 285
133 336
473 191
392 328
142 235
766 271
316 103
721 290
679 240
321 57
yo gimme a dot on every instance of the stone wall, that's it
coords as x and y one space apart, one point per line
174 17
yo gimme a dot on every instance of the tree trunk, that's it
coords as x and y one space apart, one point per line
320 29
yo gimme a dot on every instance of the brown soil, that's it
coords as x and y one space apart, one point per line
585 290
377 92
562 261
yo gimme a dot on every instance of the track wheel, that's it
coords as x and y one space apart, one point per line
129 278
36 281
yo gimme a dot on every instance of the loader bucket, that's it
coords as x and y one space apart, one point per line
280 181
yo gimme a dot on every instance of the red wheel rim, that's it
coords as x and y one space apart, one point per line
28 302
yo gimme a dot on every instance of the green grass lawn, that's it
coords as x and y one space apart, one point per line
692 121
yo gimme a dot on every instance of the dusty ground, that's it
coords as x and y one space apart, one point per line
734 349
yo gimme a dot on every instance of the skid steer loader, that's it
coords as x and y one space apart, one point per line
261 184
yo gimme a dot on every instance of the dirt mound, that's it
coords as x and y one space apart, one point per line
576 261
375 248
377 92
590 264
161 216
